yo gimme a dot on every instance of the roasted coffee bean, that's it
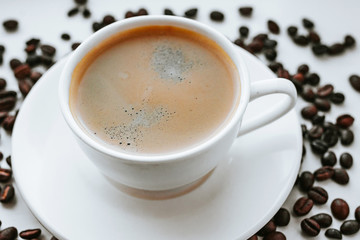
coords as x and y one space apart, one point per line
324 173
48 50
337 98
307 23
10 25
283 73
86 13
217 16
130 14
7 103
292 31
14 63
245 11
302 206
314 37
244 31
319 146
346 137
1 59
1 158
33 41
322 104
333 233
325 91
7 194
268 228
301 40
253 237
339 209
5 94
275 236
261 37
355 82
328 159
310 227
191 13
315 132
8 123
331 126
320 49
336 49
349 41
256 46
25 87
273 27
96 26
108 19
340 176
81 2
142 12
330 137
313 79
344 121
35 76
30 49
73 11
8 160
308 95
299 77
270 54
275 66
318 119
282 217
3 115
309 112
23 71
5 174
349 227
9 233
357 214
75 45
346 160
268 43
33 60
323 219
168 12
318 195
306 180
30 233
239 42
2 49
303 68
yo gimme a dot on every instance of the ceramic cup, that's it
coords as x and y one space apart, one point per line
187 168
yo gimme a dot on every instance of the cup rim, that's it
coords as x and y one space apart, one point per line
129 23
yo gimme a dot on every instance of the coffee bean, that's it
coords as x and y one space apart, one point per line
7 103
322 104
336 49
337 98
328 159
303 68
14 63
309 112
319 146
256 46
330 126
239 42
75 45
302 206
313 79
318 195
307 23
253 237
5 94
349 41
30 49
25 87
270 54
217 16
324 173
357 214
273 27
301 40
344 121
168 12
8 123
23 71
283 73
245 11
292 31
275 66
9 233
142 12
355 82
346 137
1 158
81 2
35 76
97 26
244 31
310 227
346 160
323 219
5 175
339 208
130 14
33 60
330 137
349 227
48 50
308 95
30 233
268 43
7 194
86 13
333 233
318 119
8 160
2 49
11 25
306 180
282 217
319 49
73 11
340 176
191 13
314 37
315 132
33 41
268 228
325 91
275 236
108 19
299 77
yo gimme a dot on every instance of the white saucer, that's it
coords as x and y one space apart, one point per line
73 200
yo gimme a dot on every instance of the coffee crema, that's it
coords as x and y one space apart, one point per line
154 90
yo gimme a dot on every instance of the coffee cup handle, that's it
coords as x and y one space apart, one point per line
267 87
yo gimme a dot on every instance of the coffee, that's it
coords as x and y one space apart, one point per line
154 90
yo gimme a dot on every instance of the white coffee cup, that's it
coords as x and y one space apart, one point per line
165 172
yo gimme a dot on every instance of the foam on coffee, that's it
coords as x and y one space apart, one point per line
154 90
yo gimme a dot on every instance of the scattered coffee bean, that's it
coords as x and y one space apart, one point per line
33 41
323 219
245 11
9 233
301 40
346 160
302 206
349 41
255 46
314 37
130 14
324 173
275 66
96 26
191 13
339 209
307 23
340 176
86 13
319 146
23 71
30 233
306 180
283 73
346 137
310 227
75 45
168 12
35 76
292 31
344 121
325 91
5 175
308 95
217 16
318 195
48 50
318 119
33 60
268 228
46 61
11 25
322 104
142 12
7 103
8 160
65 36
303 68
275 236
313 79
7 194
3 84
337 98
355 82
336 49
25 87
333 233
3 115
8 123
273 27
320 49
330 137
30 49
309 112
244 31
269 43
81 2
282 217
108 19
270 54
315 132
328 159
73 11
1 158
239 42
349 227
357 214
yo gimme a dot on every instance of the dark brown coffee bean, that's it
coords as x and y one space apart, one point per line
25 87
349 41
14 63
8 123
318 195
306 180
253 237
108 19
245 11
319 49
301 40
130 14
273 27
275 66
261 37
340 176
292 31
65 36
9 233
299 77
314 37
30 233
86 13
355 82
142 12
349 227
313 79
346 160
3 84
344 121
310 227
322 104
2 49
33 60
81 2
33 41
73 11
268 43
283 73
8 160
303 68
75 45
191 13
96 26
302 206
323 219
336 49
324 173
318 119
346 137
168 12
268 228
7 103
309 112
275 236
299 86
337 98
328 159
217 16
357 214
35 76
282 217
5 94
330 137
308 95
319 146
23 71
333 233
244 31
307 23
256 46
1 158
30 49
5 175
339 209
7 194
11 25
48 50
239 42
325 91
270 54
315 132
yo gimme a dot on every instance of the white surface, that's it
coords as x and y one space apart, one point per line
333 19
